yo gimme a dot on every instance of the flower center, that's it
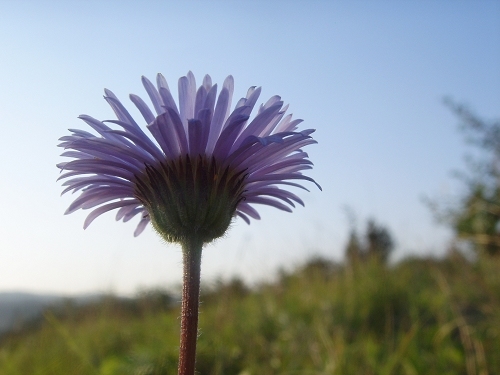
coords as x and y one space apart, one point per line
190 198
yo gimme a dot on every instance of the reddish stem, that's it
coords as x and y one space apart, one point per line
190 301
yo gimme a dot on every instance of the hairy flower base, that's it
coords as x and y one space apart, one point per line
190 198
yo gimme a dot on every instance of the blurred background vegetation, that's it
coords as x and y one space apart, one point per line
475 215
366 315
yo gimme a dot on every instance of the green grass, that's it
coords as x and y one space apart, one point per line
421 316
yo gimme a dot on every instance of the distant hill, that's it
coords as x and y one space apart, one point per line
16 309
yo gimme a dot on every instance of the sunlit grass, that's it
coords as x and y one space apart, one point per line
421 316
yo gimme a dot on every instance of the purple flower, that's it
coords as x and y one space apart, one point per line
204 164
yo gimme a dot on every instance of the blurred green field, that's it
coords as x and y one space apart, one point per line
420 316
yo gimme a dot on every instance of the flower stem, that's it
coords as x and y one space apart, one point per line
191 250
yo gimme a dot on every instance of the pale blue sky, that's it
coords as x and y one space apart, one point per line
368 75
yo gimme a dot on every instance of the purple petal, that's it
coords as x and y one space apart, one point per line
217 119
228 135
78 183
164 133
288 126
96 196
248 210
276 193
201 96
286 176
195 137
273 152
207 82
161 82
243 216
166 95
124 211
257 184
143 108
142 225
205 116
103 209
131 214
120 111
258 124
100 167
269 202
168 99
179 131
210 100
187 93
144 143
153 95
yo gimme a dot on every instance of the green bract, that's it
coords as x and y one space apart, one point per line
189 198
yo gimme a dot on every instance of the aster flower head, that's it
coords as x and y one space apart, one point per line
203 165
